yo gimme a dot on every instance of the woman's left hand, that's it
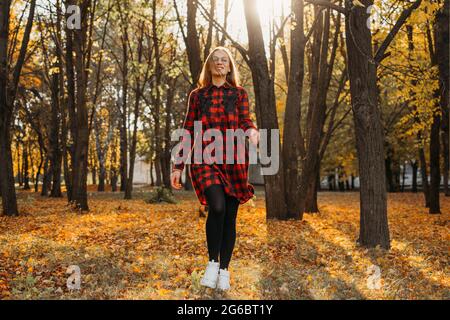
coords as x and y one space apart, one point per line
254 136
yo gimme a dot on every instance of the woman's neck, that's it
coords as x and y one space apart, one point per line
218 80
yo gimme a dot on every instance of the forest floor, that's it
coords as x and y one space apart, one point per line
129 249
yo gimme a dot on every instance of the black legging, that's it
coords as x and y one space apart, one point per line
220 224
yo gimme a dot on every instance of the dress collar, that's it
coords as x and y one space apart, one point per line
225 85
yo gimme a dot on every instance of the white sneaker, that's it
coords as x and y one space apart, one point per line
211 274
224 280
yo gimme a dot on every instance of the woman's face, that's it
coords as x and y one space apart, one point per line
220 63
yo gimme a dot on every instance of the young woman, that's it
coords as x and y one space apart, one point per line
219 103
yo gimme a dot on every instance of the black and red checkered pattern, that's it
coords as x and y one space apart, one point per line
221 108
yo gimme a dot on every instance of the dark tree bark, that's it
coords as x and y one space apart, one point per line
374 228
62 97
208 43
192 42
414 177
124 110
311 205
152 180
113 169
55 151
94 175
362 65
441 29
265 105
19 141
101 178
69 145
424 174
403 177
389 172
47 178
321 71
26 177
80 161
8 90
435 148
283 50
292 134
226 8
435 174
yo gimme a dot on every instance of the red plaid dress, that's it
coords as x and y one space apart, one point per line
224 107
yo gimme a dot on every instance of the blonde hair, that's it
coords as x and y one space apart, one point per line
205 78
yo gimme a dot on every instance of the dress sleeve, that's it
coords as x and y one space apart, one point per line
244 114
191 117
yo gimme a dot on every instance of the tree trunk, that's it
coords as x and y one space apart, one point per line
47 178
403 177
441 29
55 151
7 98
265 105
19 168
167 142
8 191
101 178
435 148
152 182
113 171
38 171
414 177
80 161
192 42
311 205
69 146
374 228
424 175
26 176
292 134
124 111
94 175
389 173
158 170
435 174
321 73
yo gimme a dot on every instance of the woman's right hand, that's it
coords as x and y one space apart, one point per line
175 179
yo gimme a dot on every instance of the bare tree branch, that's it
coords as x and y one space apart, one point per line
23 50
401 20
238 46
328 4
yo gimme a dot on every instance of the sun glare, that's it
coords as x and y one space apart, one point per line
268 11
